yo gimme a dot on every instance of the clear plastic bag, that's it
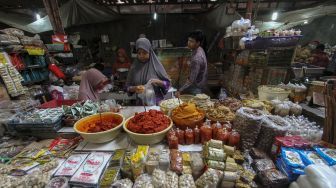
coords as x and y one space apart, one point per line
123 183
8 40
144 180
159 178
13 31
148 97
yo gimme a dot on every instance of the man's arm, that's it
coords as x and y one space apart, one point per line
194 70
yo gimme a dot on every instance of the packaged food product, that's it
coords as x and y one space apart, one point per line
111 174
223 135
123 183
231 167
271 126
126 169
91 170
215 144
151 166
144 180
186 181
230 176
197 164
238 157
71 165
228 184
138 161
173 142
176 161
234 139
215 154
58 182
215 127
329 155
189 136
311 157
216 165
164 161
229 150
117 157
180 136
209 179
206 132
172 180
187 170
273 178
153 154
230 160
260 165
247 124
186 158
13 32
197 135
247 176
159 178
292 157
258 154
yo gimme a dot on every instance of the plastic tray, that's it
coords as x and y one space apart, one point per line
33 127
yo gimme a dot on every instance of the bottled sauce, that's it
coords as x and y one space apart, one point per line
228 126
189 136
234 138
206 132
215 127
173 142
180 136
197 135
223 135
171 132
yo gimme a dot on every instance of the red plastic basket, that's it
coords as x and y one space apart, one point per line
57 103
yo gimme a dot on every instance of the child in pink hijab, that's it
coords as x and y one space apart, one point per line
92 82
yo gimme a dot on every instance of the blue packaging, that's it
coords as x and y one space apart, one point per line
311 157
328 154
292 158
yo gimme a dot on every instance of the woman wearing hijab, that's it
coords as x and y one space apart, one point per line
122 61
147 67
92 82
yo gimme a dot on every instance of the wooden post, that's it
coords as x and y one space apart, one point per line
52 9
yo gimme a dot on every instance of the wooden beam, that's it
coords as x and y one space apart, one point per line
52 10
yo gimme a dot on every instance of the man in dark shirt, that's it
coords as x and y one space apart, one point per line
319 57
198 74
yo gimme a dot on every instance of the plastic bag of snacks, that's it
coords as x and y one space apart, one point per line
329 155
248 124
159 178
123 183
144 180
186 181
8 40
311 157
209 179
13 32
171 180
176 160
273 178
271 126
260 165
258 154
292 158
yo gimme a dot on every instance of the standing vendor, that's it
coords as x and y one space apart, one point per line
92 82
198 74
147 68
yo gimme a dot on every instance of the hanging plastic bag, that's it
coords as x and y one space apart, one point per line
17 62
148 97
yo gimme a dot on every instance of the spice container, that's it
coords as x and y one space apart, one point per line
189 136
197 135
228 126
223 135
206 132
215 127
173 142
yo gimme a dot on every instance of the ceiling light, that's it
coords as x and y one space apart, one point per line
305 22
275 16
37 16
155 16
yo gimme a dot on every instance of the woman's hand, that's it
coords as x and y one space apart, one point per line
156 82
137 89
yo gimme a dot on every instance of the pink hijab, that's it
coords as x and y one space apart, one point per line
90 80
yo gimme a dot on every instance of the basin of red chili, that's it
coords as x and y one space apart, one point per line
149 122
95 124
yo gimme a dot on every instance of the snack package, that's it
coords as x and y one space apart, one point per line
215 154
144 180
152 160
273 178
258 154
159 178
311 157
164 160
71 165
126 169
186 158
216 165
91 170
329 155
230 176
197 164
186 181
111 174
176 159
123 183
209 179
260 165
215 144
117 157
229 150
291 173
171 180
232 167
292 158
